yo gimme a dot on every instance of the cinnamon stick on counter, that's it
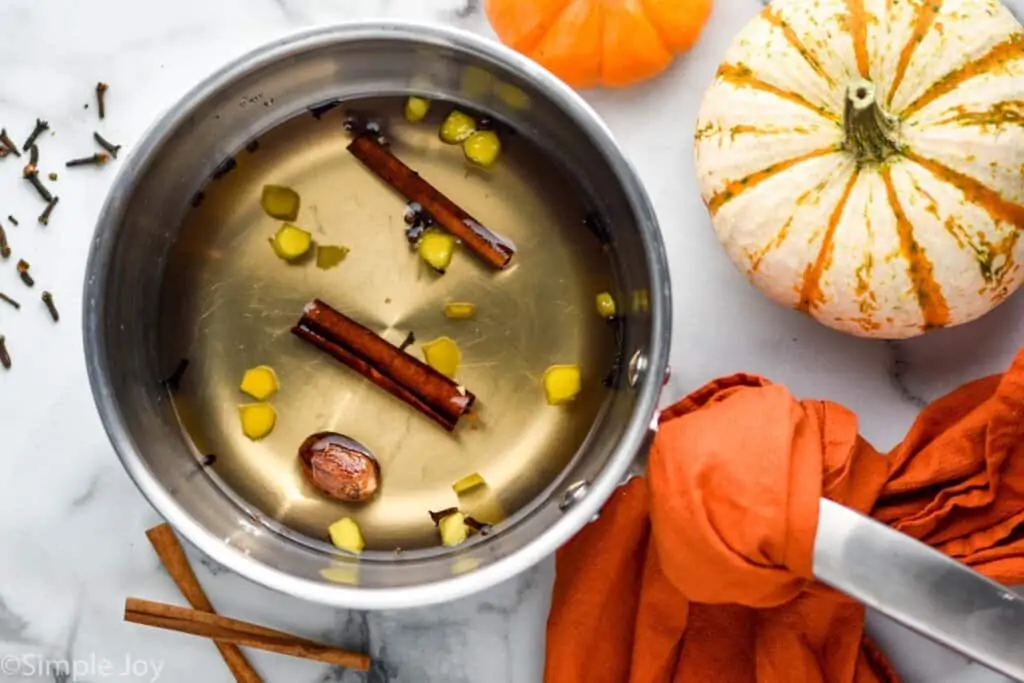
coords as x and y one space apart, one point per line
384 364
494 249
173 557
197 623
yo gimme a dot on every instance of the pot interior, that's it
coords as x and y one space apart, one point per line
161 278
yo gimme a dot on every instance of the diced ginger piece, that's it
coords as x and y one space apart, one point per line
280 202
347 574
260 382
443 355
605 305
453 529
468 483
465 564
459 310
562 383
476 81
345 534
512 95
291 242
328 256
436 248
641 302
258 419
457 126
416 109
482 148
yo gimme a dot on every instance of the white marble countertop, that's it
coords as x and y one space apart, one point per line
72 542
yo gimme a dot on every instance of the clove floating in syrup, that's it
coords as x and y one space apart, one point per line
173 381
41 127
110 147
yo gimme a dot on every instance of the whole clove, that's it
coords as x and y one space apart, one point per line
41 127
33 165
5 139
436 517
409 340
5 248
50 306
613 378
94 160
208 459
13 220
101 92
44 217
596 224
33 178
224 167
8 300
319 110
474 524
477 526
252 146
173 381
106 144
5 357
23 273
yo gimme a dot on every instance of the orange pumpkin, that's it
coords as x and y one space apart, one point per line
599 42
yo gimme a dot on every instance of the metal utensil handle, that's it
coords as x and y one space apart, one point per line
920 588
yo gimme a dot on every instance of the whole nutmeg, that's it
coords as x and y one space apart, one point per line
340 467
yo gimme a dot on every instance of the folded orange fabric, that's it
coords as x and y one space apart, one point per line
701 573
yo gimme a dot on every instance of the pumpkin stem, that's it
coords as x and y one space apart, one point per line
871 134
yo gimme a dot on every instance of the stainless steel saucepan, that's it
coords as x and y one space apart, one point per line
138 225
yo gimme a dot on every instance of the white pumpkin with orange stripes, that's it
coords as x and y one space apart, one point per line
863 160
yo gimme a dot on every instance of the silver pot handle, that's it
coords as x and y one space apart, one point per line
920 588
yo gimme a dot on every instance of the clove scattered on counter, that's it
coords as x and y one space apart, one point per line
108 146
44 217
98 159
41 127
23 267
101 96
50 306
8 144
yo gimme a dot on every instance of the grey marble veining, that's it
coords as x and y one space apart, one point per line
72 525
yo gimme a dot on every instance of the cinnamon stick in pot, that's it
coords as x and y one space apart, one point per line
495 250
384 364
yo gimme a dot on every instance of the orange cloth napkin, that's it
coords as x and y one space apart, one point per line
702 572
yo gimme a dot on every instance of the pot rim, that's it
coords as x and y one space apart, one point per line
572 520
